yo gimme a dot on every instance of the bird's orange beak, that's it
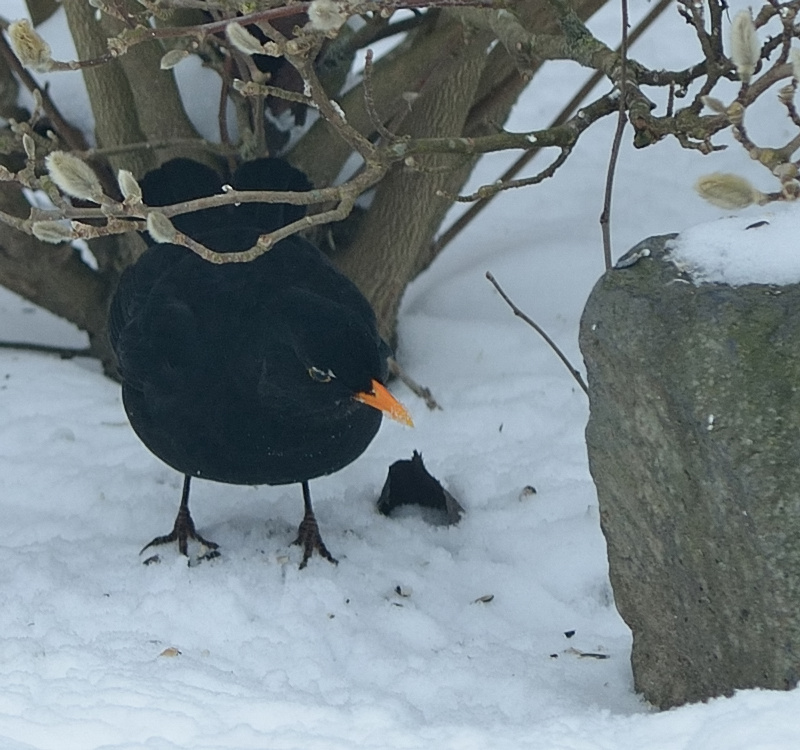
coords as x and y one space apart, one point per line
380 398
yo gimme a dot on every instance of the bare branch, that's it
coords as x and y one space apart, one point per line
369 101
605 217
71 136
552 344
469 215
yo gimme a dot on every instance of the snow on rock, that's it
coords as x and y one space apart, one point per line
759 247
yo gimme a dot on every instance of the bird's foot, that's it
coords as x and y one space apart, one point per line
308 537
182 531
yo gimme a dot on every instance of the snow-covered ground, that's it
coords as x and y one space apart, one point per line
399 646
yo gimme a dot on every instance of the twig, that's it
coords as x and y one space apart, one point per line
71 136
139 34
418 390
118 216
379 28
562 117
552 344
15 222
65 352
605 217
155 146
329 109
489 190
369 101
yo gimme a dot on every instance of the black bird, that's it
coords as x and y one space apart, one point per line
267 372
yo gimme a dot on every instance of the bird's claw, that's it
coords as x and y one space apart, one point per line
308 537
182 531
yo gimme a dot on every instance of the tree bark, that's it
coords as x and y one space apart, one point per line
113 106
53 276
411 201
466 93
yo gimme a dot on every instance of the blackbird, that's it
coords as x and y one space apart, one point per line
265 372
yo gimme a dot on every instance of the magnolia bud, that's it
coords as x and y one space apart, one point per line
786 93
243 40
715 105
790 190
54 232
128 186
160 227
172 58
272 49
727 191
745 49
785 171
32 51
326 15
29 145
735 113
73 176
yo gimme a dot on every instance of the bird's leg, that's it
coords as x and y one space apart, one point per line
308 534
184 529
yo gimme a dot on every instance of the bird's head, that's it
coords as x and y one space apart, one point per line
347 357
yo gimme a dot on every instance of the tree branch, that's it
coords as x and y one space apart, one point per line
552 344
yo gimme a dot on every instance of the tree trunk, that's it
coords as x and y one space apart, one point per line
53 276
411 201
466 93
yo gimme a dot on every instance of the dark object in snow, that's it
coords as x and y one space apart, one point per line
586 654
267 372
693 445
409 483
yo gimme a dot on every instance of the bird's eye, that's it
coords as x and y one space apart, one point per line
321 376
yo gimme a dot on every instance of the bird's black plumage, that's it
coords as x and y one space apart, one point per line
244 373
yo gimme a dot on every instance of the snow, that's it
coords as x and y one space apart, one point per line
757 248
98 651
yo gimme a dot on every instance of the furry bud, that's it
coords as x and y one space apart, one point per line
172 58
54 232
745 49
326 15
715 105
73 176
727 191
129 187
33 51
786 93
272 49
160 227
785 171
29 145
243 40
735 113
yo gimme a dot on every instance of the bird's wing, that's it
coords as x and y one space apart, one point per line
152 330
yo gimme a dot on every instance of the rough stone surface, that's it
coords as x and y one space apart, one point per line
694 445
